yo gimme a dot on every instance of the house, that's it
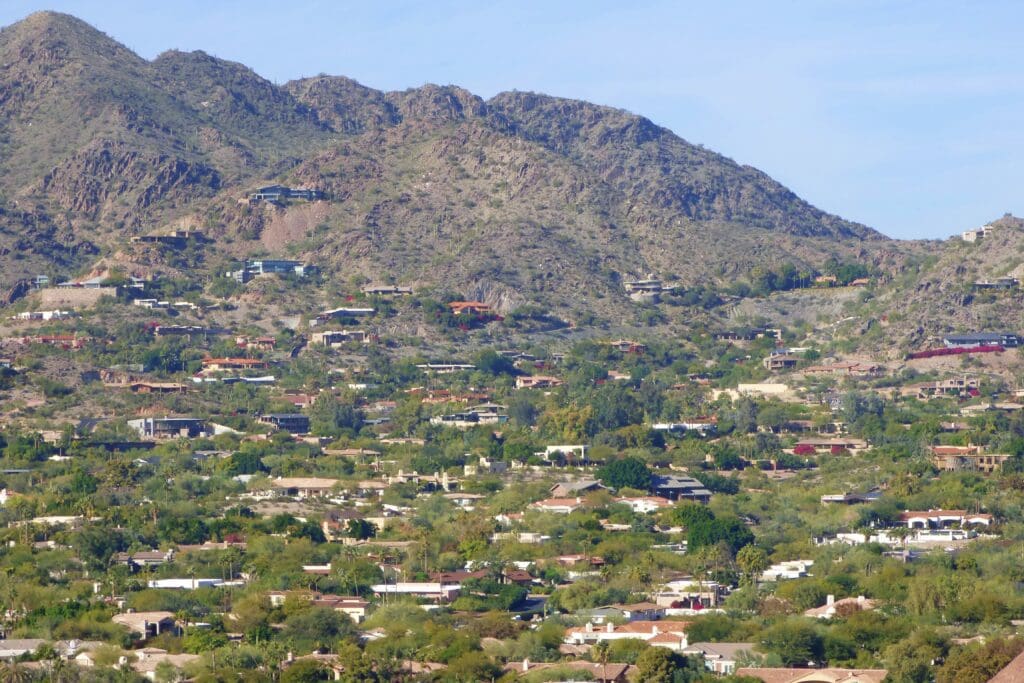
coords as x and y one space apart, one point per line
354 606
829 675
780 362
258 267
430 590
967 459
386 290
149 659
851 498
791 569
720 658
679 488
221 364
645 504
469 308
627 346
843 607
169 427
976 234
702 425
144 558
147 624
257 343
848 369
296 423
1012 672
343 312
567 452
561 506
662 633
280 194
609 672
998 283
955 386
438 368
335 338
689 594
832 445
191 583
944 519
567 489
538 382
304 487
1004 339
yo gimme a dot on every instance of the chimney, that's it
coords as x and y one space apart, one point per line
860 599
609 627
290 657
590 627
830 600
526 665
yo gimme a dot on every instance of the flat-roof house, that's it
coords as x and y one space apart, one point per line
296 423
169 427
1005 339
469 308
679 488
780 361
146 624
304 487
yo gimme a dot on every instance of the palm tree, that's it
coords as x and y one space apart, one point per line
14 673
600 651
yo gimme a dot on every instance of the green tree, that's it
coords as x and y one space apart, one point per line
656 665
631 472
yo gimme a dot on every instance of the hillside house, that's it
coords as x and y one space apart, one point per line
780 362
967 459
335 338
675 487
469 308
954 386
944 519
846 369
296 423
628 346
568 489
1004 339
538 382
997 283
386 290
169 427
703 426
258 267
341 314
282 194
223 364
689 593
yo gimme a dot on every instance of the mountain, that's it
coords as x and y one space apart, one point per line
520 198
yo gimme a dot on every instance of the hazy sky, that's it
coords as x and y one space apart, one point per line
906 116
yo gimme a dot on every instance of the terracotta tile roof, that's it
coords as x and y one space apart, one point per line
1012 672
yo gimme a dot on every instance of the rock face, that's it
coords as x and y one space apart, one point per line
522 198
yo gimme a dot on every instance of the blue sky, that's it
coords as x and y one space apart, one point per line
906 116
